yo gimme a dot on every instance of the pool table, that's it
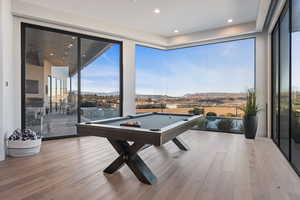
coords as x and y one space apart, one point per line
153 129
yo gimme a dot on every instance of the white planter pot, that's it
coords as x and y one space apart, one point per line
23 148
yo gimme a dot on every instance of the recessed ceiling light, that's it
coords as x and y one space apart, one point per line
73 38
156 11
51 54
229 20
176 31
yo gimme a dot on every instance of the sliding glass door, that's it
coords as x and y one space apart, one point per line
295 64
67 78
284 84
281 71
50 107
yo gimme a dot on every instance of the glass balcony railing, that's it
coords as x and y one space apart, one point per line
221 124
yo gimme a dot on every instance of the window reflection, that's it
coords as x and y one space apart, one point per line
295 116
50 108
100 80
284 116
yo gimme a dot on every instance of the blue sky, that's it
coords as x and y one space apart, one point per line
295 61
221 67
102 75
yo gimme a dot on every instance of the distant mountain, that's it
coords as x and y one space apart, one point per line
146 96
189 95
101 93
205 94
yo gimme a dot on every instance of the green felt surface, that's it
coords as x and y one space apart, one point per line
153 121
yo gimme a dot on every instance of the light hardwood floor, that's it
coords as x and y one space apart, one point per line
218 167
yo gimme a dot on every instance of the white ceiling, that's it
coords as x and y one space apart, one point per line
185 15
40 44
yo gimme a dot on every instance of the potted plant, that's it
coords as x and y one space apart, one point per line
23 143
250 111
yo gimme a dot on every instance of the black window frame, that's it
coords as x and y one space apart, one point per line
79 36
276 28
287 7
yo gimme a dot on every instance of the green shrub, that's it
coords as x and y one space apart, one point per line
251 108
230 115
225 124
196 111
211 114
202 124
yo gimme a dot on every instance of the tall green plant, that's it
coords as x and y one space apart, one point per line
251 108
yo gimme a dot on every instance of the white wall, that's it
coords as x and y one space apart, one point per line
262 81
7 75
128 77
1 85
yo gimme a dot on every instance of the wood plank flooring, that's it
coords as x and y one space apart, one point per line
218 167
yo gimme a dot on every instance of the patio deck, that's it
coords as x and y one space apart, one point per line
218 166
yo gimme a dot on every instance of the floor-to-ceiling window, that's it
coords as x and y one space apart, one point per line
295 67
67 78
284 83
211 80
286 71
49 63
